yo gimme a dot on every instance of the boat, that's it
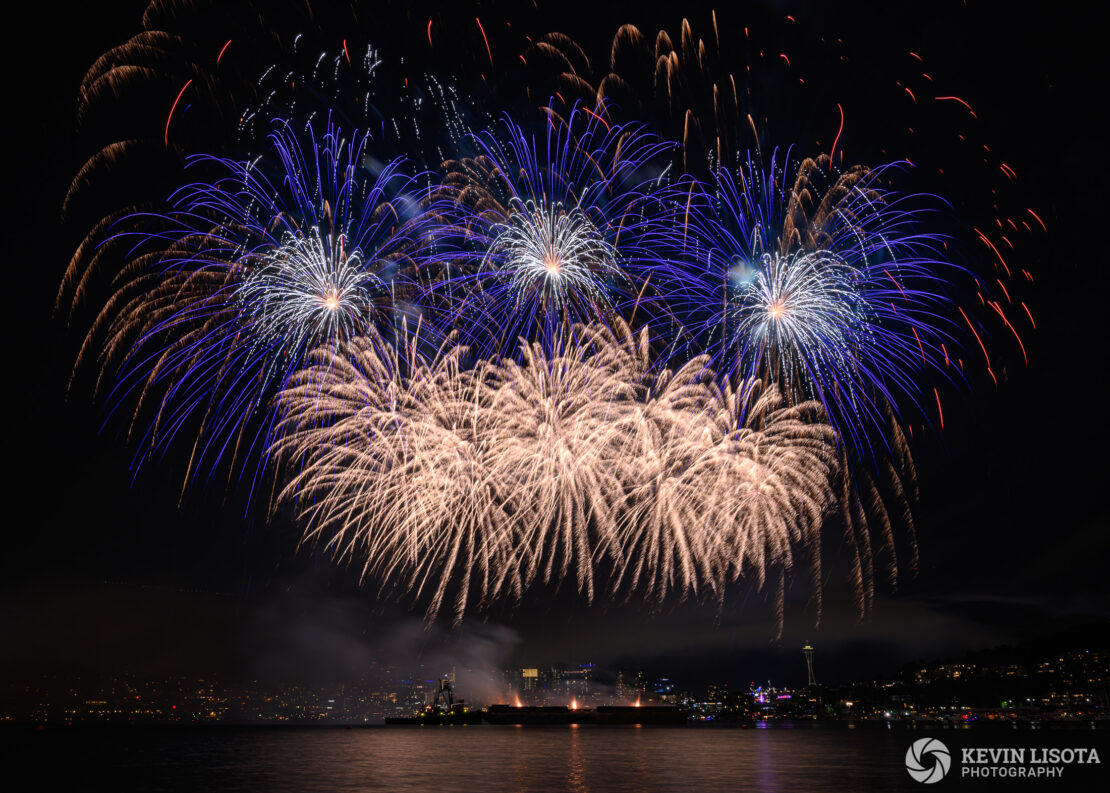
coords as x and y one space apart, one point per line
443 711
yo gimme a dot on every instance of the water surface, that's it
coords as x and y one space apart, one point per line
456 759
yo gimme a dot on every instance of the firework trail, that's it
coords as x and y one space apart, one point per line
225 295
682 86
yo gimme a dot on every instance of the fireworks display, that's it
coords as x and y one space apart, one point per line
584 338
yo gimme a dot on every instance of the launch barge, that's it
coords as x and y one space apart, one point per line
603 715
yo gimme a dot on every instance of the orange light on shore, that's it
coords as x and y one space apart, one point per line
636 704
517 703
574 704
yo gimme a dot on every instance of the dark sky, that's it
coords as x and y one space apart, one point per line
102 573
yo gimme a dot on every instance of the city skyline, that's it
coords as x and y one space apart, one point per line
1051 680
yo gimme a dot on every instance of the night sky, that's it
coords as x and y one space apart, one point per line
103 573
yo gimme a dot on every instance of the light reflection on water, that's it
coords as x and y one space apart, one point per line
450 759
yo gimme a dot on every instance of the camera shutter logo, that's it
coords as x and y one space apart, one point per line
928 760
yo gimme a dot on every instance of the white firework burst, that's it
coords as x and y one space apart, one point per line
310 291
804 314
553 257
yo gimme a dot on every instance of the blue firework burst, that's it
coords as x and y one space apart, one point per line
551 229
308 245
824 282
